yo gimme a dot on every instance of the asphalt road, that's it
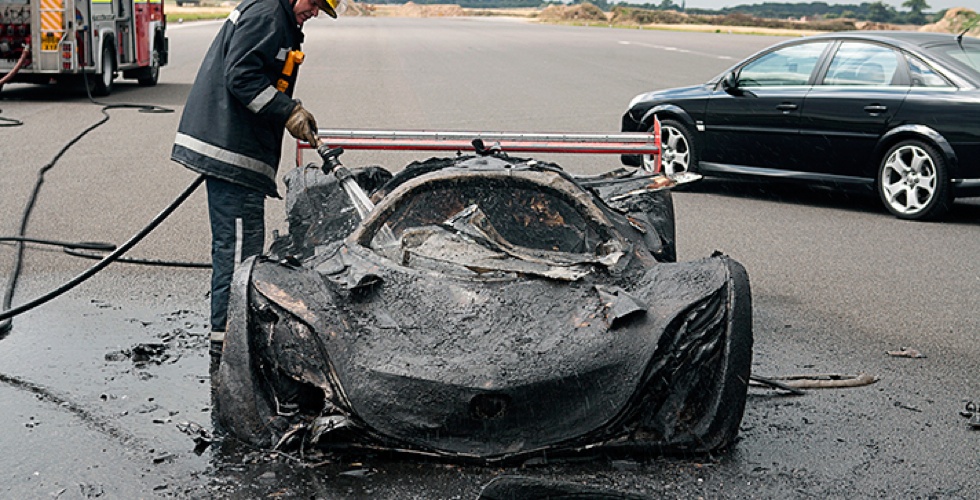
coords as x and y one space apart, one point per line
836 281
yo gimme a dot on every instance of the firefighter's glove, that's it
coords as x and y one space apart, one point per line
302 125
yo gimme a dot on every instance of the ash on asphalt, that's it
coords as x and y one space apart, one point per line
99 396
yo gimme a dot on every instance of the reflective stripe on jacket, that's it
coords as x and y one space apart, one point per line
234 119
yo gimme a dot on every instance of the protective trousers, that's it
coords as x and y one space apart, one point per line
237 216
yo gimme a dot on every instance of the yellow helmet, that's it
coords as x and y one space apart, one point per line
333 8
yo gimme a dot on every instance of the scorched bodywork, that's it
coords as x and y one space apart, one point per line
488 308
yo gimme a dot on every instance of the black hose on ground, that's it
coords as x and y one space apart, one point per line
9 313
141 262
83 245
144 108
9 122
89 249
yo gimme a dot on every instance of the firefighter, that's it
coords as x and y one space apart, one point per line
232 128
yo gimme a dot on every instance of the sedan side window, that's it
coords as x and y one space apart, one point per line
924 76
791 65
858 63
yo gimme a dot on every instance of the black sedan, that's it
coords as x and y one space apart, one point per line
893 112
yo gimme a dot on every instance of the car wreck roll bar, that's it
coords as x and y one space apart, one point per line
407 140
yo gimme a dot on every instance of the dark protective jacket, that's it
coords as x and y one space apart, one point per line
233 122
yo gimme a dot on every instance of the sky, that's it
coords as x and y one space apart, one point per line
934 5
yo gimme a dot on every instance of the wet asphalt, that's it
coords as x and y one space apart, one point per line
103 389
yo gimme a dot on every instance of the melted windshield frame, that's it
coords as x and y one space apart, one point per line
526 214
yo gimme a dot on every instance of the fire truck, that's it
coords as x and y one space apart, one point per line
92 41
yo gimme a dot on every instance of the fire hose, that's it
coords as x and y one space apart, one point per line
7 122
6 311
20 64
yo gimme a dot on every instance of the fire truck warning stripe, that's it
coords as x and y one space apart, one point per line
52 5
51 21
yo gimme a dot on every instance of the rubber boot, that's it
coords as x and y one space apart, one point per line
217 343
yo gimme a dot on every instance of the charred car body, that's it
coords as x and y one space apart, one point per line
489 308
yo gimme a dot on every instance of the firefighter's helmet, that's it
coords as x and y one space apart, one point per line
333 8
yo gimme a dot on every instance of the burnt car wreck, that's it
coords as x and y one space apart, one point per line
488 308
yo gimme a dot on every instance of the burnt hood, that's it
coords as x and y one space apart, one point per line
506 367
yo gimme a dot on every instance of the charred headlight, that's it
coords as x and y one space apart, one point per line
292 363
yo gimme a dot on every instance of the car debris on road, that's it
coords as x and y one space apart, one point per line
516 313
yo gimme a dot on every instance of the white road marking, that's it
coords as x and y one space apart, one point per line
666 48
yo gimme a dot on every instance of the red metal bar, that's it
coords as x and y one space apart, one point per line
634 144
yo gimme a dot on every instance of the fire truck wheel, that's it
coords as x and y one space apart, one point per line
103 81
148 76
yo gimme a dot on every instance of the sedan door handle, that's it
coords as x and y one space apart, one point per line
787 106
875 109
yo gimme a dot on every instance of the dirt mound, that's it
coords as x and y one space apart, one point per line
628 15
954 21
411 9
359 9
639 16
873 26
579 12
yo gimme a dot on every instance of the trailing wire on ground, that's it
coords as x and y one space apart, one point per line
85 245
9 122
143 262
6 311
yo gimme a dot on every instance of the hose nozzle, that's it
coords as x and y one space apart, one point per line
331 156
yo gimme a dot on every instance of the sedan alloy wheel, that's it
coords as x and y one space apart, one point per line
912 182
678 152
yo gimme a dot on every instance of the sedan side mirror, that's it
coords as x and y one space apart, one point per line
730 83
